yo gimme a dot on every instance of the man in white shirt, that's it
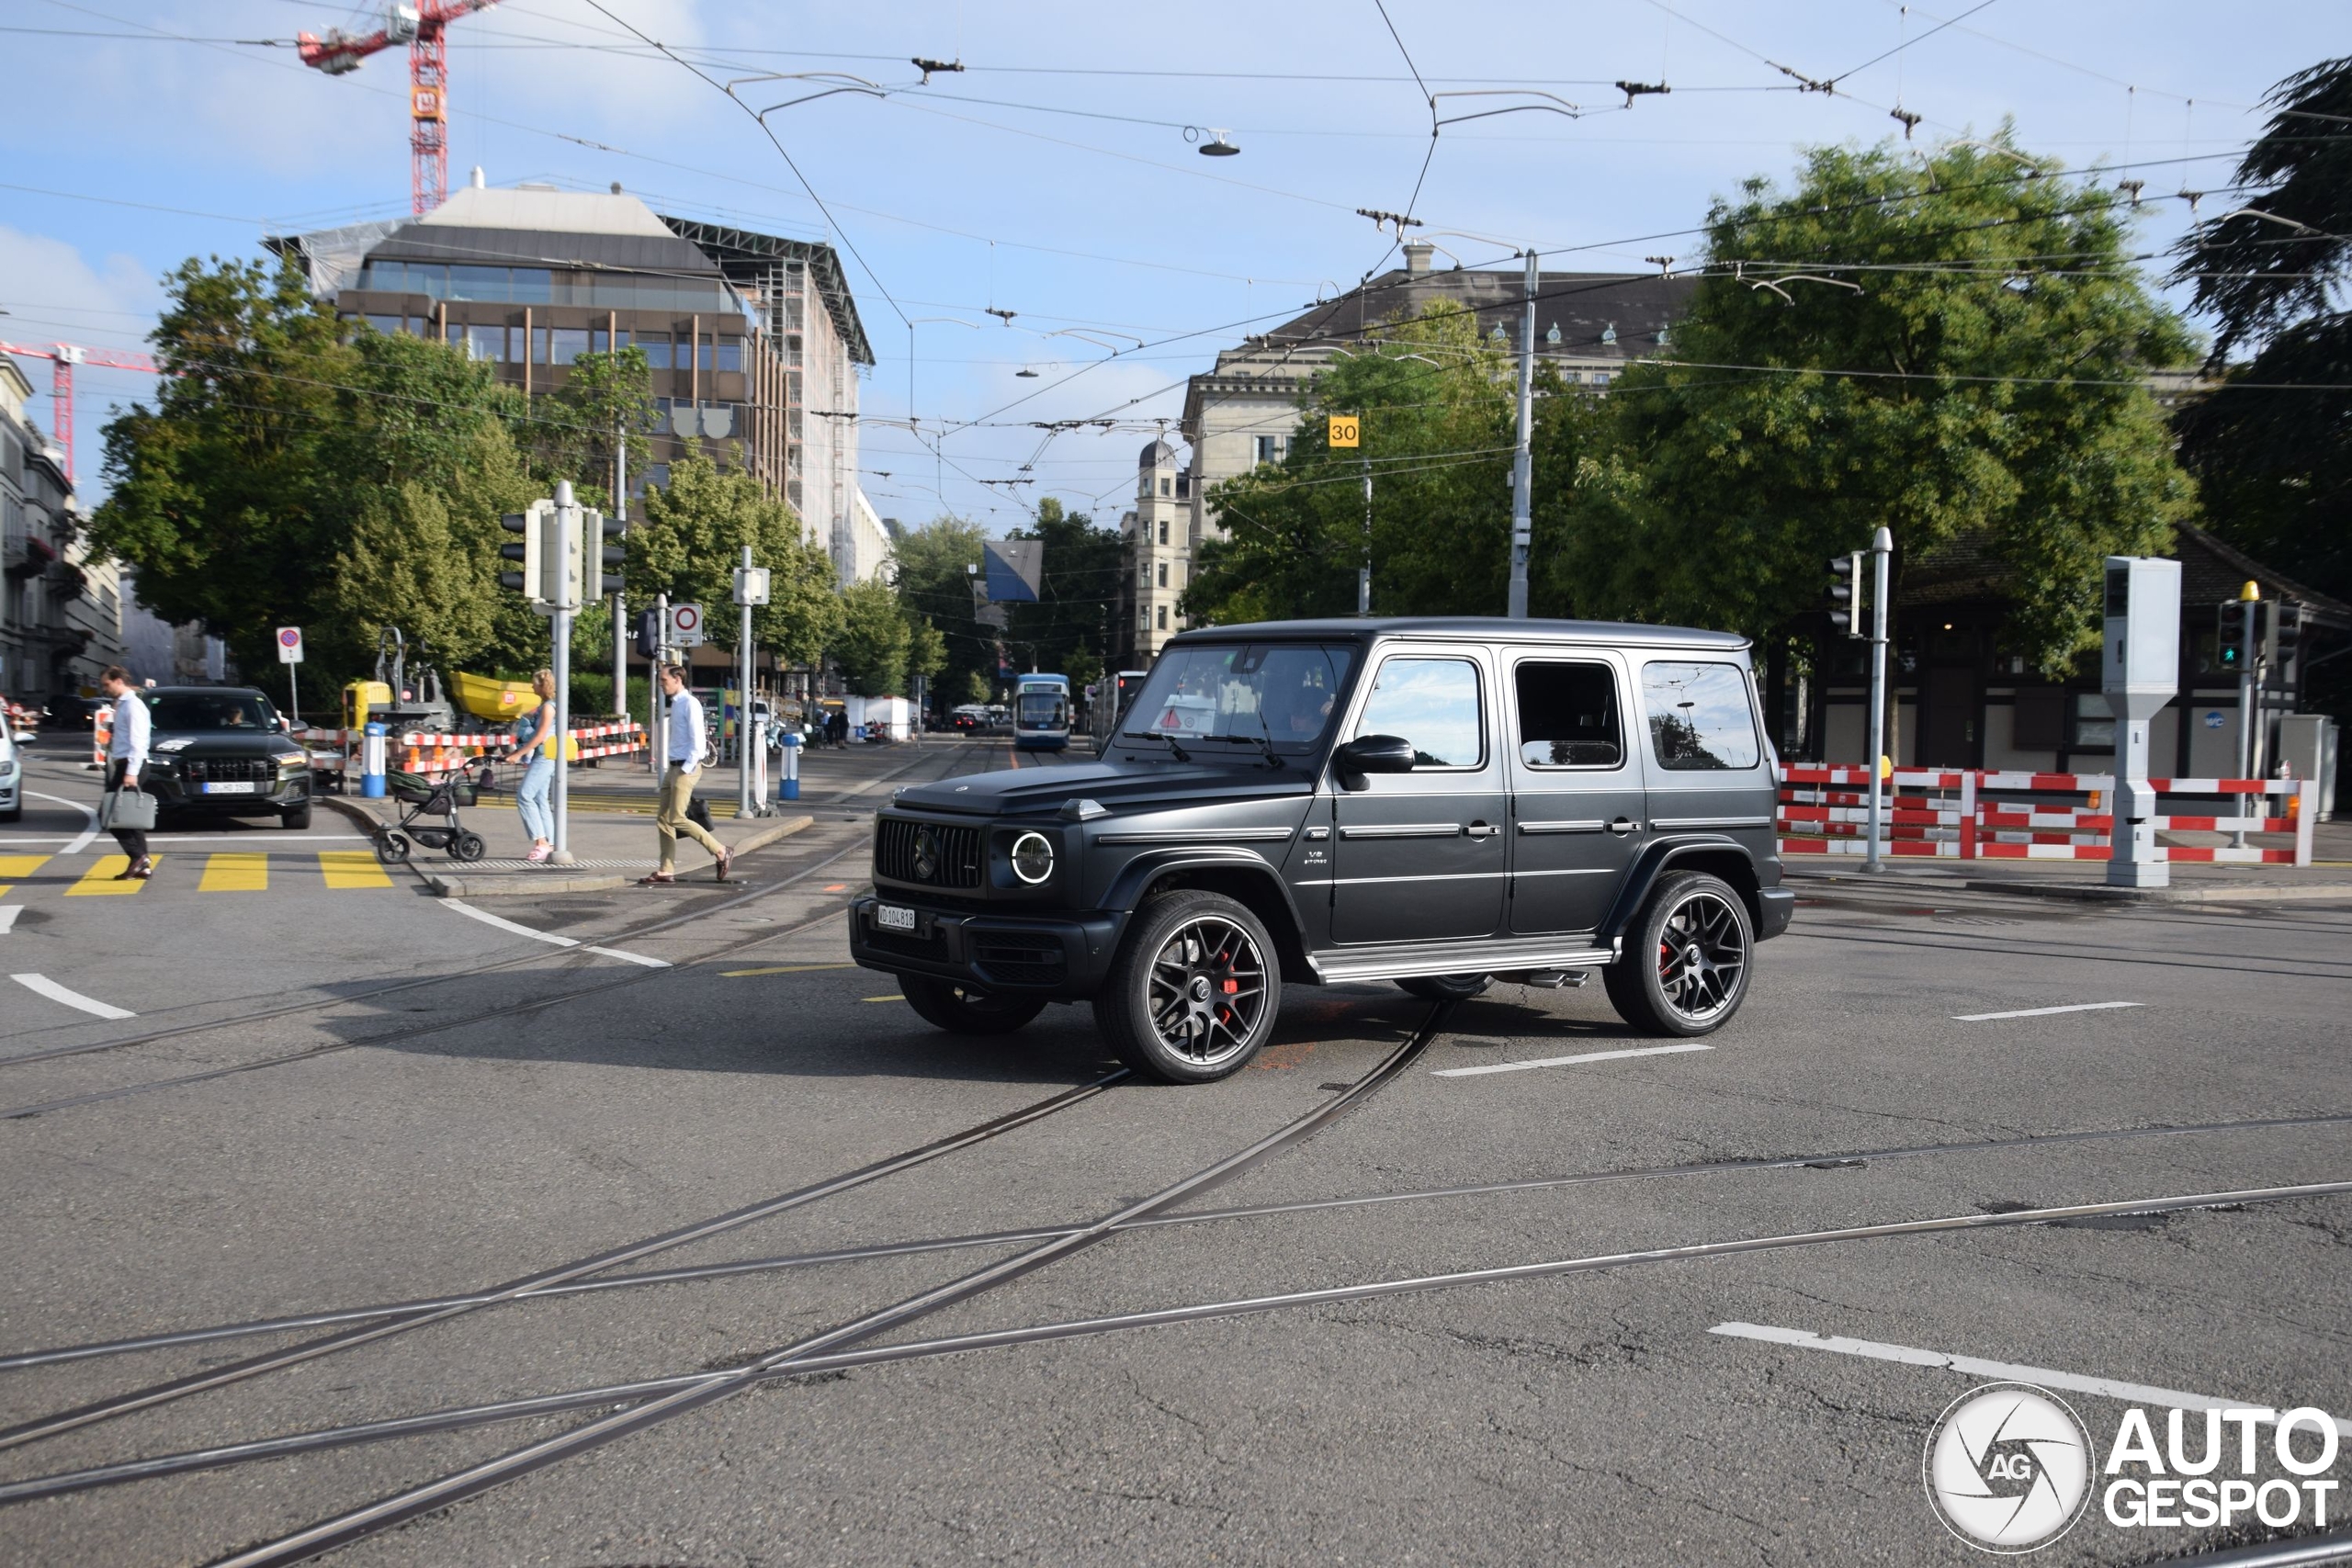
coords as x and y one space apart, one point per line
681 751
126 755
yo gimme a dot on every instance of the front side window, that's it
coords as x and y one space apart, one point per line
1700 718
1567 715
1434 704
1280 694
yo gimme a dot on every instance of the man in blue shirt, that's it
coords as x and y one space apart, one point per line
683 748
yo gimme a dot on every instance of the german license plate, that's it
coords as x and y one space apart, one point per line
246 787
891 917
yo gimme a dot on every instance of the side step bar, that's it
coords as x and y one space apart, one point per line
1406 960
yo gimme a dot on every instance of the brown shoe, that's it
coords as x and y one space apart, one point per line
143 868
723 864
659 879
128 872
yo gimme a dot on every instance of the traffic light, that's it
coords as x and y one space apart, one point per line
526 550
2282 640
605 567
649 635
1845 595
2229 640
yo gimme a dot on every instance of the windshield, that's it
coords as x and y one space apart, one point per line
240 712
1282 693
1042 708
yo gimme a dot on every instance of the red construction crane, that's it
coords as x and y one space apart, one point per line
420 28
63 358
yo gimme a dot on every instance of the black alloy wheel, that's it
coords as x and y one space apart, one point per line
967 1010
1193 991
1444 988
1686 964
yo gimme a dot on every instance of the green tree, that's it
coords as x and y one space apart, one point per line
579 428
1077 589
1953 346
690 539
929 564
874 640
2269 449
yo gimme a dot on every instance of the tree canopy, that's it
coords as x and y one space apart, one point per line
690 537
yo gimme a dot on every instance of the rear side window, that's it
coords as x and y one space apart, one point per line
1567 715
1699 720
1433 703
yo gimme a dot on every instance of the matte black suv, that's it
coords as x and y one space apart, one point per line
220 751
1440 803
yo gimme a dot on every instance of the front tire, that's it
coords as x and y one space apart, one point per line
1687 958
1444 988
967 1010
1192 993
297 819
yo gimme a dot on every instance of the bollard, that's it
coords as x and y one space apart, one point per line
371 763
787 784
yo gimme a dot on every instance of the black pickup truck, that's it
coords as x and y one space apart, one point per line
1442 803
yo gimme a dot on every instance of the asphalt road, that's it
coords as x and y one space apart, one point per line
441 1106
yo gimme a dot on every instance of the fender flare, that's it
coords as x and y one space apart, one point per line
1658 857
1126 889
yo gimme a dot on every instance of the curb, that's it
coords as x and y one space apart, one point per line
2097 893
533 884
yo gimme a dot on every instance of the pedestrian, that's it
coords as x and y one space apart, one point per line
686 742
126 757
537 744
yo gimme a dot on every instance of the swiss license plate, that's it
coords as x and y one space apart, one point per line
247 787
891 917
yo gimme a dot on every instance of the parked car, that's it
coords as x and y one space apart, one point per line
222 751
11 775
1442 803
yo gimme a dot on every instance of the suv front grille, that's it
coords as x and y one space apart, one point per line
225 770
936 853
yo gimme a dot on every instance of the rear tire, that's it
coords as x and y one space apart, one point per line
1194 989
967 1010
1445 988
1688 956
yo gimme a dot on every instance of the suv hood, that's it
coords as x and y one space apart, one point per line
219 743
1043 790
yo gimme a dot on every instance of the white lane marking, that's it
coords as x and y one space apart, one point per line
486 918
632 957
1565 1061
2041 1013
75 846
44 986
1976 1366
9 913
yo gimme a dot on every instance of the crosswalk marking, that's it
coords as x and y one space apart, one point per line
235 873
16 868
353 868
100 878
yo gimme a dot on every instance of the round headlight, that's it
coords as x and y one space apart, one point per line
1033 858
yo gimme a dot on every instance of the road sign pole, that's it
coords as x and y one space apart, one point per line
745 799
1523 476
1364 572
294 694
655 752
1882 549
567 539
621 595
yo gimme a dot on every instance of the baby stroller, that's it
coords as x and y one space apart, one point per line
421 799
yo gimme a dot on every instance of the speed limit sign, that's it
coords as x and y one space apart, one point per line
685 625
1346 429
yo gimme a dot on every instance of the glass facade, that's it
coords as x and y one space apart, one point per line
543 286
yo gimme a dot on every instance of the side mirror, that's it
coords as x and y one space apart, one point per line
1372 754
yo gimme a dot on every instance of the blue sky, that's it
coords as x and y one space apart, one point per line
1056 177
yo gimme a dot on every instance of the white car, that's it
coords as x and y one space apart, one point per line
12 777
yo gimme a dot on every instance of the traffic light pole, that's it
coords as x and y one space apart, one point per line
1882 549
1363 571
743 735
620 610
567 539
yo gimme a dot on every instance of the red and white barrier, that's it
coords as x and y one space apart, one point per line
1942 814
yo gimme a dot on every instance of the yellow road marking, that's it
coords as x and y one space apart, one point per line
892 997
100 878
16 868
235 873
781 969
353 868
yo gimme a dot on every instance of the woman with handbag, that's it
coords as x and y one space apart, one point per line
126 812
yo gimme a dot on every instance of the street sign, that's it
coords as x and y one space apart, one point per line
751 585
1346 429
289 645
685 625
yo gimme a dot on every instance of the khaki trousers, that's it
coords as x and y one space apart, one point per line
677 788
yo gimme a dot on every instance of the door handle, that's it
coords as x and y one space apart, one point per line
1481 829
1624 825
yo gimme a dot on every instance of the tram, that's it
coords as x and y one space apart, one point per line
1041 713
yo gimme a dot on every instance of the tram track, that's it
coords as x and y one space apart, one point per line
1830 1160
709 1388
291 1010
683 1391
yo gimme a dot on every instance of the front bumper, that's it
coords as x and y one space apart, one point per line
287 794
1064 956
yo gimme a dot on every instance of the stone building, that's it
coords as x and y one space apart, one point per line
61 611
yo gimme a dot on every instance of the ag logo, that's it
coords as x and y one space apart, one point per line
2008 1468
